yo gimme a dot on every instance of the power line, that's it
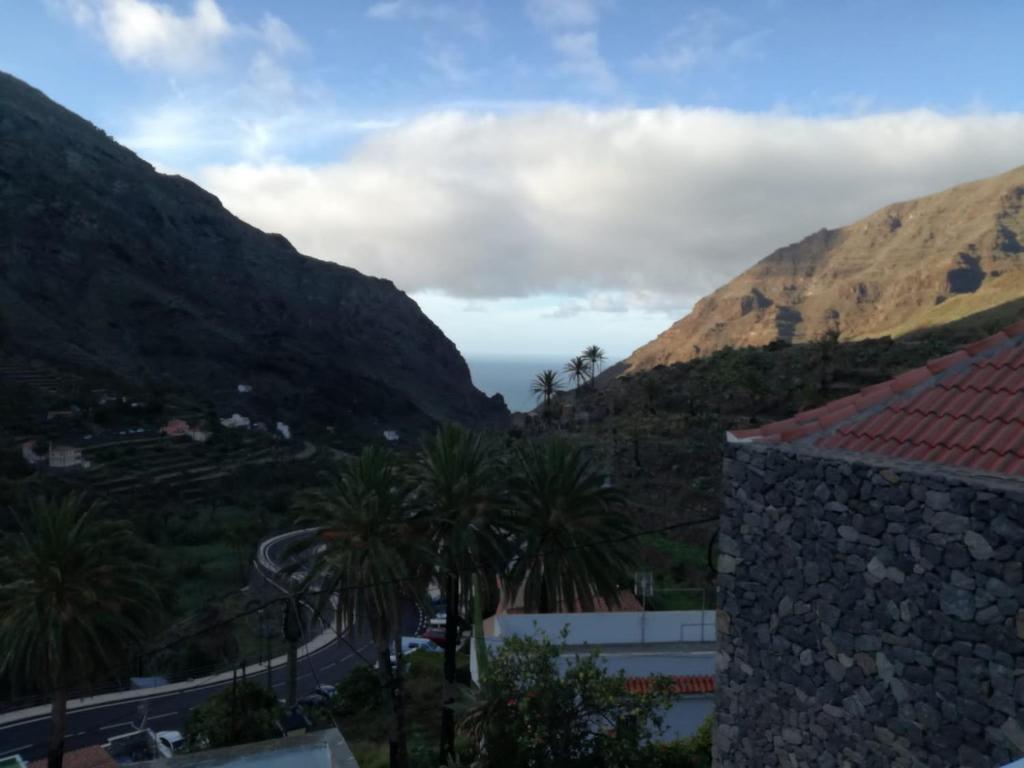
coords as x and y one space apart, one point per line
389 582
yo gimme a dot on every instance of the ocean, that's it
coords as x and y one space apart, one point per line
511 375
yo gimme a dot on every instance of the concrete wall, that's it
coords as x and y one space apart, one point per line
871 614
614 628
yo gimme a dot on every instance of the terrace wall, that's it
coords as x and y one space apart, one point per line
871 614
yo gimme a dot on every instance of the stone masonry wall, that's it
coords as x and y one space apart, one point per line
871 614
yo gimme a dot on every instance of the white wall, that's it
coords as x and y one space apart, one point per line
615 628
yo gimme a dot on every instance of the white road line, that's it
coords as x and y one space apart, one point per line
327 666
16 750
115 725
157 717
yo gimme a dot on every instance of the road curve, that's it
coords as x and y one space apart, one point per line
93 720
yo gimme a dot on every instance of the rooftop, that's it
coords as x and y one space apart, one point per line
963 410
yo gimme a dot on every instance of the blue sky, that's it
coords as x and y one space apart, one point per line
541 174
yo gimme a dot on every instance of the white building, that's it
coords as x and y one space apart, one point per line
244 388
284 430
391 435
236 421
63 456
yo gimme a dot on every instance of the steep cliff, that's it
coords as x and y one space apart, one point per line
107 264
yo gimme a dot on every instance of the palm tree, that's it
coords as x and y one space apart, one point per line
546 385
458 480
76 593
595 357
578 369
575 539
369 561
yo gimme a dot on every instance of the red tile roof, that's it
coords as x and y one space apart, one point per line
86 757
965 409
687 685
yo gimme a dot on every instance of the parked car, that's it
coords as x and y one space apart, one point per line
314 699
325 690
169 743
412 644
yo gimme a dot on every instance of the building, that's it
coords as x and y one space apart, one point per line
284 430
871 574
320 749
176 428
244 389
66 455
638 643
86 757
391 435
236 421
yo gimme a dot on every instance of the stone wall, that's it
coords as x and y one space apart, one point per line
871 614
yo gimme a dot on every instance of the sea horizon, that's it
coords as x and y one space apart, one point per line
510 375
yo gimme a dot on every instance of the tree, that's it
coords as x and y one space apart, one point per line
575 542
529 712
595 358
578 369
242 712
370 562
546 385
76 593
458 482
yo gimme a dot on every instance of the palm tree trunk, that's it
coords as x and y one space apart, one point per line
293 670
450 640
399 748
59 715
387 684
482 660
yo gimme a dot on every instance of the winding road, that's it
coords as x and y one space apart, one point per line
93 720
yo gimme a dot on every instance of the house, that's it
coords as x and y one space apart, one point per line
319 749
391 435
86 757
870 574
66 455
244 389
198 434
284 430
236 421
638 643
176 428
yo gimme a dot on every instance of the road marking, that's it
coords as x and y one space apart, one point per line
157 717
115 725
16 750
327 666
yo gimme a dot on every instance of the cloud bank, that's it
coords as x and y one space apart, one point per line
655 207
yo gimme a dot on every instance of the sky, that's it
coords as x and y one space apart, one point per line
541 175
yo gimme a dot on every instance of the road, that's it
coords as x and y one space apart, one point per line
169 710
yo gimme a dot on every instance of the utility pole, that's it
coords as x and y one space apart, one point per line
293 631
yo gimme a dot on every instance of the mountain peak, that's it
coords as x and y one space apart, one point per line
907 266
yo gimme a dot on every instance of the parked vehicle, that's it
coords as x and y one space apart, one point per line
325 690
169 743
412 644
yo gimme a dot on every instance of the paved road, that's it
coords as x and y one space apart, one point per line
170 710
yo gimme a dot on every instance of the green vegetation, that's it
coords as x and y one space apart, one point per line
539 518
76 592
545 386
238 714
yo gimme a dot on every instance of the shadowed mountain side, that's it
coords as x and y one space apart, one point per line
106 264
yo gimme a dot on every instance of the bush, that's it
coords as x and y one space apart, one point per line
359 692
693 752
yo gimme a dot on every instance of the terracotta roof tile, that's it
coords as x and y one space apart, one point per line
684 684
965 409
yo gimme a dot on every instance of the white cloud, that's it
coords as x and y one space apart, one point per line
155 36
707 36
279 36
551 14
580 57
159 37
659 205
467 17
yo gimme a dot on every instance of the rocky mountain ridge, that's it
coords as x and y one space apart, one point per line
908 266
108 265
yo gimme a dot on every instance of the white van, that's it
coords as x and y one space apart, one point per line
411 644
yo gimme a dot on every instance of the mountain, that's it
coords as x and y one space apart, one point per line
909 266
108 265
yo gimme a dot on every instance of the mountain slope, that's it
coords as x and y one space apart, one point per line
106 264
908 266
